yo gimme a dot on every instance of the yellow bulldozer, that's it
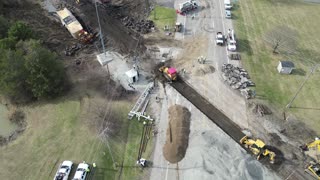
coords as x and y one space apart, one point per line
169 73
258 148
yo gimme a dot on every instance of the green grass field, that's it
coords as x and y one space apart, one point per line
253 20
62 131
163 16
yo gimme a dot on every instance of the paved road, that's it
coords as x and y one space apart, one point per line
211 153
208 19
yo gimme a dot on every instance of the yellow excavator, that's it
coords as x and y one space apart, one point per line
313 168
258 148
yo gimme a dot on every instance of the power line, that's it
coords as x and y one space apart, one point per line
101 35
294 97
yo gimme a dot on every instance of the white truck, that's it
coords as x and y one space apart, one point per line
219 39
227 4
81 172
232 43
188 6
64 171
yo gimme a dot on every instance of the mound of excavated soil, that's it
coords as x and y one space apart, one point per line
177 136
203 70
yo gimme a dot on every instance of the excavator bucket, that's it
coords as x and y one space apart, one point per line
243 140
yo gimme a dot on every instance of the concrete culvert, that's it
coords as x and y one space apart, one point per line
177 136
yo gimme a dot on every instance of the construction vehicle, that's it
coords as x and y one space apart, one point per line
258 148
313 169
74 27
169 73
219 39
188 6
178 27
312 149
312 145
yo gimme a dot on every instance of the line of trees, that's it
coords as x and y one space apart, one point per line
28 70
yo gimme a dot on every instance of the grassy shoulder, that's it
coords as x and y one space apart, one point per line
130 169
253 20
163 16
62 131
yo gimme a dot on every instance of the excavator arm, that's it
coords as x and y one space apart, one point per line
313 144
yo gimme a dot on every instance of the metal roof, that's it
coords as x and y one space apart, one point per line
287 64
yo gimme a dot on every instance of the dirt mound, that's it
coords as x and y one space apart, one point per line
178 131
203 70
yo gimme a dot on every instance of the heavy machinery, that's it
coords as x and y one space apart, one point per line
258 148
313 169
312 145
178 27
74 27
313 148
169 73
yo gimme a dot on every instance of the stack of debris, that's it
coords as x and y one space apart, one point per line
71 50
238 78
261 110
142 26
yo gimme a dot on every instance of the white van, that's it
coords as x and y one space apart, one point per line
227 4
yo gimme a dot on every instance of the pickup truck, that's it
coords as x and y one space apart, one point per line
220 39
64 171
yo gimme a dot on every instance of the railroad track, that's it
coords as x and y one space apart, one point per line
214 114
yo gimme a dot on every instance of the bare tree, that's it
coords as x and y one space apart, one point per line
282 38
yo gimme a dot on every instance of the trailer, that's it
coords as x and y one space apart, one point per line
76 30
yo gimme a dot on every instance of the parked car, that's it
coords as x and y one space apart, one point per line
232 46
81 171
64 171
228 14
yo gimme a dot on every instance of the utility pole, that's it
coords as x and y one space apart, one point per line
294 97
101 36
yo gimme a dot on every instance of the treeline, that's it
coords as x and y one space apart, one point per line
28 70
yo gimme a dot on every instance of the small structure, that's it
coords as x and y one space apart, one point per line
104 58
285 67
132 76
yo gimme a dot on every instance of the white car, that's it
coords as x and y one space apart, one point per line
232 46
64 171
81 172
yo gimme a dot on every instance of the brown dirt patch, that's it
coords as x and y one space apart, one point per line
178 131
203 70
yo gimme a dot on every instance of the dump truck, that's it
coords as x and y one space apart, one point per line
258 148
74 27
219 38
188 6
169 73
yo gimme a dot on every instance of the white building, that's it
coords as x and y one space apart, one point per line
285 67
